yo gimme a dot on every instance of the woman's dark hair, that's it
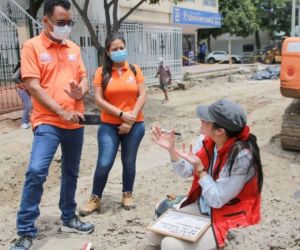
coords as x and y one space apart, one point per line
107 62
49 6
238 146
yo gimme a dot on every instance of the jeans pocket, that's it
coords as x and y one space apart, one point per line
36 130
44 128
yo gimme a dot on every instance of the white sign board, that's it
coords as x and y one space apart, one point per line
293 47
181 225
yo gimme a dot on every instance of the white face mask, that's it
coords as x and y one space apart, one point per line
61 33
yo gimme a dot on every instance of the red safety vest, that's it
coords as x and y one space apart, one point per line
244 209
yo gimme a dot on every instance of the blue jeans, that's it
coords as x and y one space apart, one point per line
109 140
45 142
27 106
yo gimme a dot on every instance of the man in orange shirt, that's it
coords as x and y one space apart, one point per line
55 76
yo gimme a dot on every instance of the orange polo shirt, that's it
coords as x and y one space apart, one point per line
121 91
55 65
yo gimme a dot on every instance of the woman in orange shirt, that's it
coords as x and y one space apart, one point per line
120 95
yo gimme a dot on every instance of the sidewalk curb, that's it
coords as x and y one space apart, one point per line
219 72
13 116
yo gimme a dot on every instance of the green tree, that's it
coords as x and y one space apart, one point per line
238 18
273 15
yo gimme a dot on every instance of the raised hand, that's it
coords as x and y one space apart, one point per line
189 156
75 91
165 140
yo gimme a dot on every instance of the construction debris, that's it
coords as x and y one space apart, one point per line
271 72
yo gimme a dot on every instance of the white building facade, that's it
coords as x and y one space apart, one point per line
151 31
240 45
189 15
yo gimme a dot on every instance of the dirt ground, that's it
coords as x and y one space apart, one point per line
120 229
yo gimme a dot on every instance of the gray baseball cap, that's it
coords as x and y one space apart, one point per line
225 113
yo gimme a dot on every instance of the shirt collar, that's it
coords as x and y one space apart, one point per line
48 42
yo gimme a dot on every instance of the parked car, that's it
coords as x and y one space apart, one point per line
217 56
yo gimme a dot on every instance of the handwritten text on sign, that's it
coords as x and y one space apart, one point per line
181 225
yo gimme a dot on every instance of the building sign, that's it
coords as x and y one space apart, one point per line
196 17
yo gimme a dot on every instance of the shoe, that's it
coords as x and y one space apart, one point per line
77 226
25 126
92 206
128 200
23 243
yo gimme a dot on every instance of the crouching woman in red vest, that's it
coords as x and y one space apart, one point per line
227 175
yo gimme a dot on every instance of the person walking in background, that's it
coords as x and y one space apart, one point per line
165 77
202 52
27 105
120 95
24 95
54 74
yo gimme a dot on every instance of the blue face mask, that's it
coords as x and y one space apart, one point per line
119 55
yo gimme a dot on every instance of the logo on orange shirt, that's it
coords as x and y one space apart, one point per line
45 57
131 79
72 57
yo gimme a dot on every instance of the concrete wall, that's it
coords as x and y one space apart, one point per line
237 43
146 13
23 34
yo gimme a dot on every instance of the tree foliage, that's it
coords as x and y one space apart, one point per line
245 17
274 15
238 17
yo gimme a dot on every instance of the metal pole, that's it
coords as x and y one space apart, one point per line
8 19
229 52
293 17
298 28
